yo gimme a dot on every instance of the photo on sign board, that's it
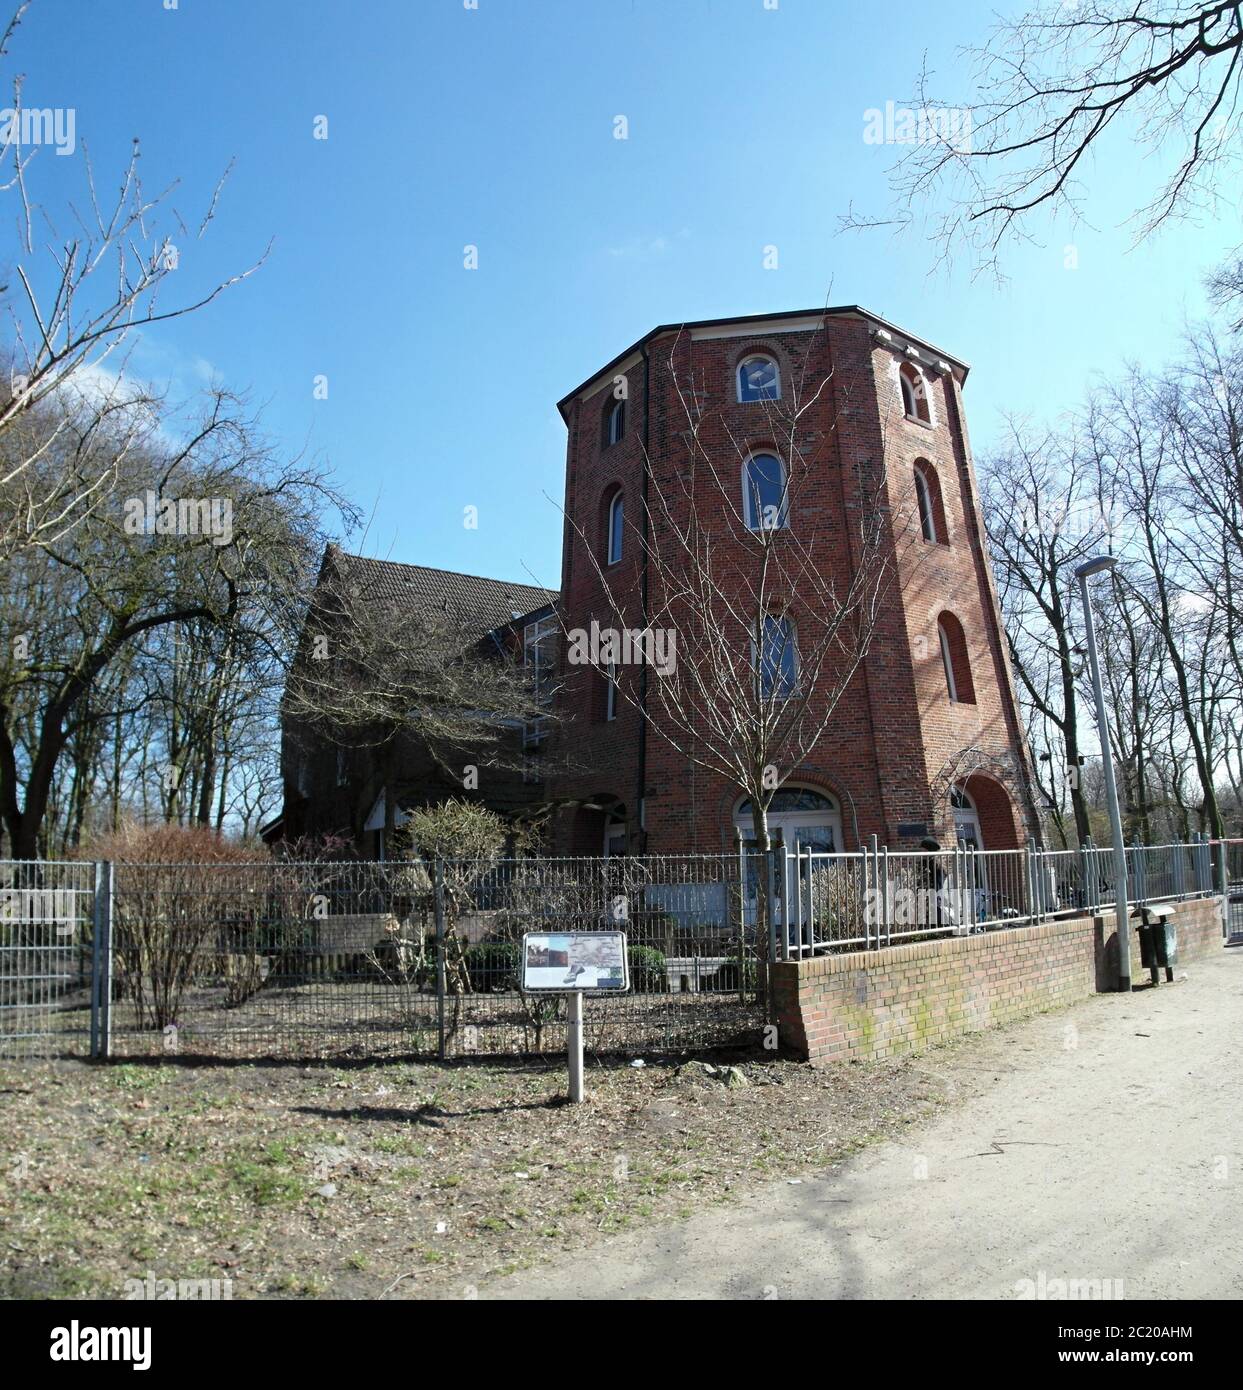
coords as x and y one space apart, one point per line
575 961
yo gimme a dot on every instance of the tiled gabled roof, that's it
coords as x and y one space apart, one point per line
471 599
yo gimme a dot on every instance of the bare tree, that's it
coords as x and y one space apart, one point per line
82 280
73 610
1043 515
1050 86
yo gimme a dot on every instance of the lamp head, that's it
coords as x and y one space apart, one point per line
1096 565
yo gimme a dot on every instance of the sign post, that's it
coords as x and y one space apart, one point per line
574 1041
575 963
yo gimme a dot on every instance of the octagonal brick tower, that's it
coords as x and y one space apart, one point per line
927 738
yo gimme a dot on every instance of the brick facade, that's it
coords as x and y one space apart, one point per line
897 742
908 998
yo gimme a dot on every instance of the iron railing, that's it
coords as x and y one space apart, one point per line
877 897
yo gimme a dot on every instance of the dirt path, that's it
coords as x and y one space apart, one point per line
1104 1142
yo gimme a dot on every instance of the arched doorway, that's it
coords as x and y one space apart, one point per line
967 831
804 817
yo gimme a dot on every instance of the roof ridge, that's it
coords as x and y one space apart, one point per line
436 569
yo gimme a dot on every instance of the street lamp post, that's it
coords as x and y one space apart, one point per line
1098 565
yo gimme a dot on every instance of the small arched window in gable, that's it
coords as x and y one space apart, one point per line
759 379
914 393
955 660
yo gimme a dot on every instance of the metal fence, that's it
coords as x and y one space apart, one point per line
47 943
349 959
357 959
876 897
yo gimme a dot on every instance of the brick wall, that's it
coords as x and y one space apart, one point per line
869 1004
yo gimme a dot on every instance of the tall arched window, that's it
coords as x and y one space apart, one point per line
954 658
776 658
914 393
764 501
927 518
932 523
615 423
759 379
613 546
610 691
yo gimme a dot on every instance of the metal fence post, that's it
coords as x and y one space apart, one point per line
101 962
773 895
438 878
884 894
1140 875
1223 884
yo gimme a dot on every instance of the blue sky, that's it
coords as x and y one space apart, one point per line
494 127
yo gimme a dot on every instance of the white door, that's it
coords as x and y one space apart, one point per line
803 819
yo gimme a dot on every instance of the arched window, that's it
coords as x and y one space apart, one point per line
932 523
955 660
613 546
615 423
927 517
776 658
759 379
764 500
914 393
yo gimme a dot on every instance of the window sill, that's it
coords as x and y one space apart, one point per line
915 420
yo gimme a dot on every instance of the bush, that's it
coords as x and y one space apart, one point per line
183 899
737 971
647 970
493 965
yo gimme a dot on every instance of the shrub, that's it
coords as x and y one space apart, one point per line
493 965
647 970
183 896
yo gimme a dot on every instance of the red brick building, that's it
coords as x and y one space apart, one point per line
927 738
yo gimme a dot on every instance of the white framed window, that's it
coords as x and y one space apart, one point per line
776 658
764 500
539 656
610 692
759 379
617 519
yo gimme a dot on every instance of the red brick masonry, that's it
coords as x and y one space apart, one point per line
907 998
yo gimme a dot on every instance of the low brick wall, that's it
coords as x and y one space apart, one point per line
870 1004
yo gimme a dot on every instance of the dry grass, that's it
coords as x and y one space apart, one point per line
393 1179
